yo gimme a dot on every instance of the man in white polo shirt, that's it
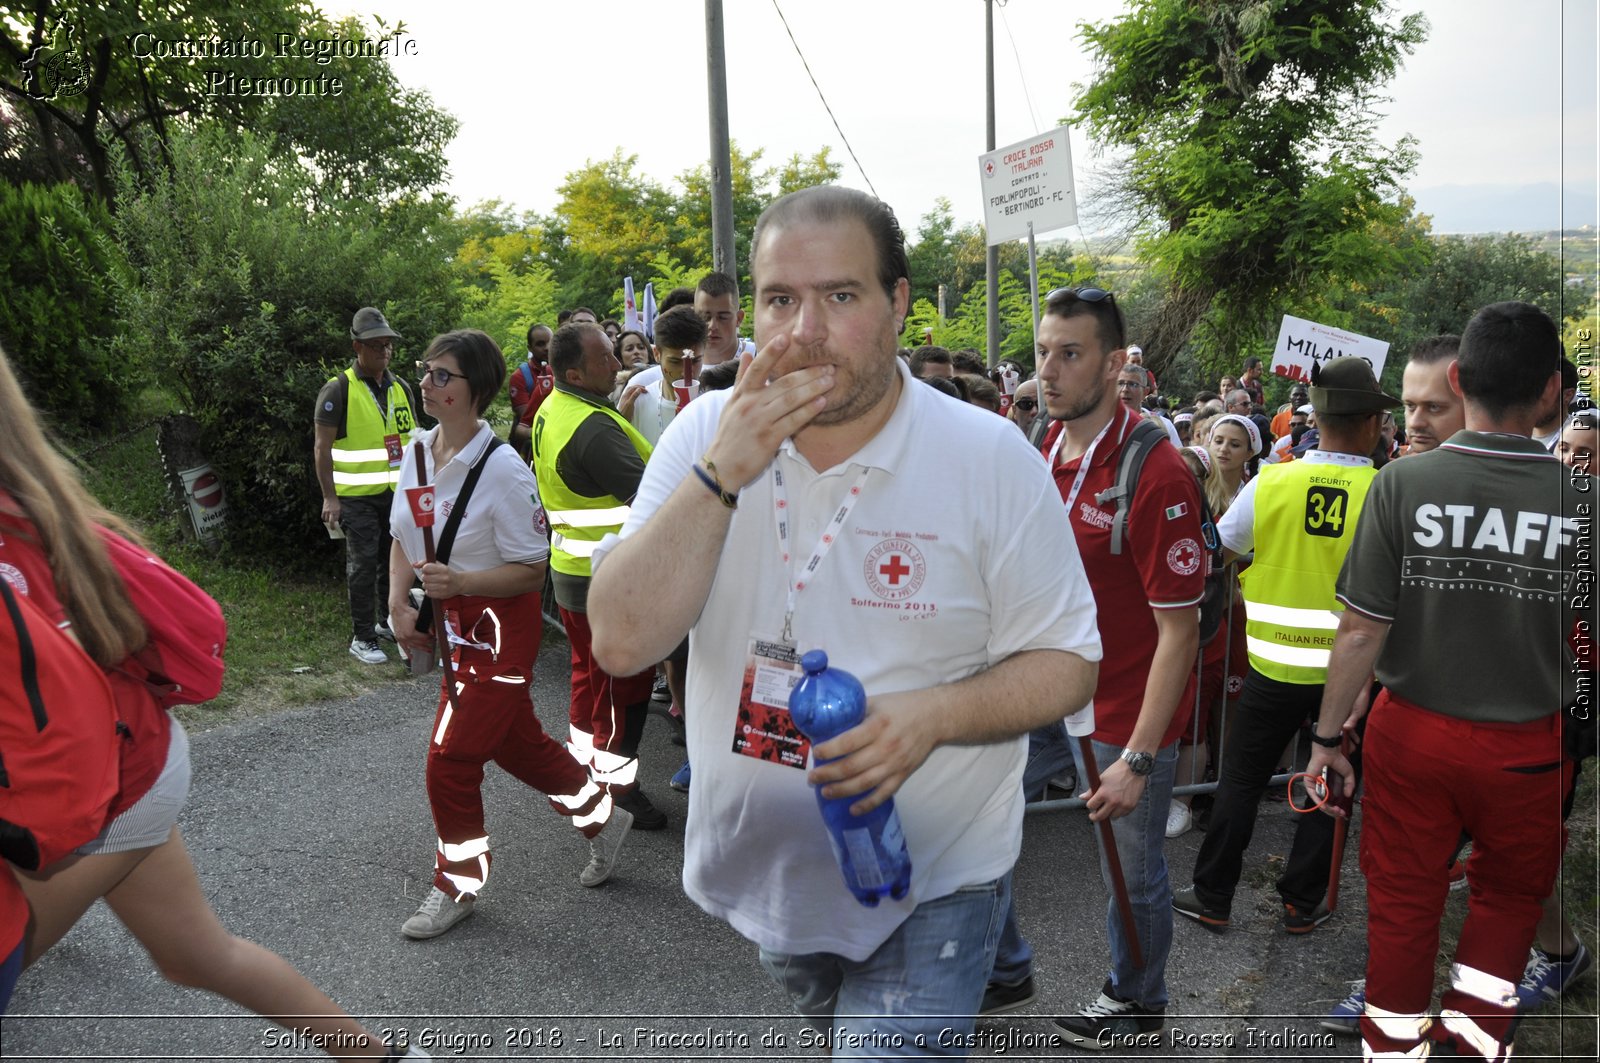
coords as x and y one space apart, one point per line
814 505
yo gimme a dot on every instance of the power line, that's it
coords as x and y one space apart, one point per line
1020 75
823 98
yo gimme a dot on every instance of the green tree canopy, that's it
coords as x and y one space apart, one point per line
89 75
244 317
1251 170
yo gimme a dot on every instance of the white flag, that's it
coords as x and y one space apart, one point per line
630 311
650 310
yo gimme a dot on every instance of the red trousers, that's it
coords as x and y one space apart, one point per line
606 713
492 719
1429 777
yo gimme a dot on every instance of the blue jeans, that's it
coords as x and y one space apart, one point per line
915 996
1049 754
1140 836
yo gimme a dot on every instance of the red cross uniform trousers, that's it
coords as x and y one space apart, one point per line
492 718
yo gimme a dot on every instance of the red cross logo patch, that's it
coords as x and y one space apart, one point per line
895 569
1184 557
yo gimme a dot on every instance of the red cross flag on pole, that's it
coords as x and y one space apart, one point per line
421 501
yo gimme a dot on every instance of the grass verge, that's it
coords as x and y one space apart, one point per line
287 635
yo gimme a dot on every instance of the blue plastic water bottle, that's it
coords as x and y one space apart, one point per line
871 849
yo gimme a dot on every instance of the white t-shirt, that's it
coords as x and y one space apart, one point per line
652 413
956 555
648 376
505 522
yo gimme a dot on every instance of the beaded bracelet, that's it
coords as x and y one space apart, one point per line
708 476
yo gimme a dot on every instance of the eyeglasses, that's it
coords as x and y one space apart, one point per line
384 344
440 377
1087 295
1026 404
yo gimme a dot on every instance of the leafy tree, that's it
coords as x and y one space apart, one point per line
510 303
58 318
1252 173
610 220
92 75
750 195
246 316
752 191
506 283
803 172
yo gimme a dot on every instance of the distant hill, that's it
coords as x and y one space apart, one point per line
1507 208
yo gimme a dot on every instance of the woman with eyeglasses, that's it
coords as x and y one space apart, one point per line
487 592
51 554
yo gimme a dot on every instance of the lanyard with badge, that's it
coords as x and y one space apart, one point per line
1083 463
393 445
762 727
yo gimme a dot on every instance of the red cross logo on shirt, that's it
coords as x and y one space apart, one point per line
1184 557
896 569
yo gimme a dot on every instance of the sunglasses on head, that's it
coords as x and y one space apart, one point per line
1086 295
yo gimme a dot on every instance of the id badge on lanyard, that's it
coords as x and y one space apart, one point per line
762 727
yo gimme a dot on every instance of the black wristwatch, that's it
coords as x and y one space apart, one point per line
1328 743
1141 764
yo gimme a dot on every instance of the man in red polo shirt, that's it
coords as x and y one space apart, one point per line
1146 594
529 384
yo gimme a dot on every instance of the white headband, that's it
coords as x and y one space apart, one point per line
1250 429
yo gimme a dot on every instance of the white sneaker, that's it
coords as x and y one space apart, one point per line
1179 819
437 914
381 630
367 652
603 847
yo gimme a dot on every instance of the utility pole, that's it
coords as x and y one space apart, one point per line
722 253
991 258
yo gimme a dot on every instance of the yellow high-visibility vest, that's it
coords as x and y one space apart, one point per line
577 522
1305 519
360 460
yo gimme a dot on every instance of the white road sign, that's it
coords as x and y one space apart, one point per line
1303 344
1029 181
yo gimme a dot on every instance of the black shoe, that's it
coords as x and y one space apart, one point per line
646 816
1297 920
1187 902
1113 1023
660 691
1000 997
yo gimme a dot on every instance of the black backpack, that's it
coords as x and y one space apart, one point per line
1146 435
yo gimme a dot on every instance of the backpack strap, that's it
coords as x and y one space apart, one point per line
527 375
447 538
1141 441
344 405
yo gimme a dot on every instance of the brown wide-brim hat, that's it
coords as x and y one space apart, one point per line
1348 385
370 324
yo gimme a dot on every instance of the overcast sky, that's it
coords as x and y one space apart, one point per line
541 87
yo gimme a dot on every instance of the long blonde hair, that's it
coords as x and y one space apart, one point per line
64 514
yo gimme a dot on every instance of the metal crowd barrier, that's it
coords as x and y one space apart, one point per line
1180 788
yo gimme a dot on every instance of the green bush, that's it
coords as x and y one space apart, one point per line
57 319
240 293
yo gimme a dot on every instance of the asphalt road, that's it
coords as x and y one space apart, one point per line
311 833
